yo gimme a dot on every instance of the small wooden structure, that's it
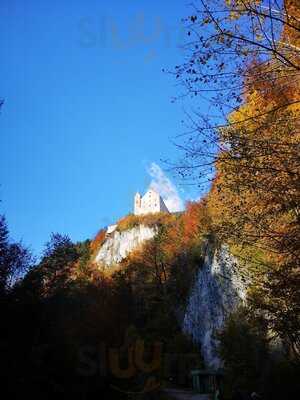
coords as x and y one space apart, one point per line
206 381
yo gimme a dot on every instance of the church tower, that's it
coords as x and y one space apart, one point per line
151 202
137 204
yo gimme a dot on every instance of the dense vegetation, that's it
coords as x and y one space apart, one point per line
63 317
65 309
243 59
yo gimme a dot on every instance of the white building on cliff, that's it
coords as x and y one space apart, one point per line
151 202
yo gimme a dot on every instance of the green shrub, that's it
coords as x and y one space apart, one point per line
244 350
151 220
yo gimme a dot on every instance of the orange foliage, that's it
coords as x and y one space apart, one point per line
255 199
97 241
196 221
291 35
176 238
156 219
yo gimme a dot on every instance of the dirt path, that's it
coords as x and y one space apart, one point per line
179 394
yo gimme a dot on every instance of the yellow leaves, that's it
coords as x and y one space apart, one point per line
249 109
255 197
98 240
290 34
235 3
177 236
130 221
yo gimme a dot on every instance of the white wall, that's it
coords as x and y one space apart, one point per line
151 202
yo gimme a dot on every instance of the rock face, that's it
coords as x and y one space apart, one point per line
218 289
118 245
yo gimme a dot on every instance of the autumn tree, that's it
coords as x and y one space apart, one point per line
230 45
59 257
243 59
15 259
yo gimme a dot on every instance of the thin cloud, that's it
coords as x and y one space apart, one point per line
162 184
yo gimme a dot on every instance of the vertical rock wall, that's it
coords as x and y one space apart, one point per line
118 245
218 289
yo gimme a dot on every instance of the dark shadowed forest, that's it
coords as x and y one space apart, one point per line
72 327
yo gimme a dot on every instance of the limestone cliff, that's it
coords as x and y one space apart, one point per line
218 289
118 245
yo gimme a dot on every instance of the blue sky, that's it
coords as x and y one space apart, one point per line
88 113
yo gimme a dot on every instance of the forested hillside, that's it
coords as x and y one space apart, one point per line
74 325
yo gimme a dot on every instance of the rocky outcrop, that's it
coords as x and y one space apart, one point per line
118 245
218 289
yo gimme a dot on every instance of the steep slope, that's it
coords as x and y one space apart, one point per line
218 289
118 245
